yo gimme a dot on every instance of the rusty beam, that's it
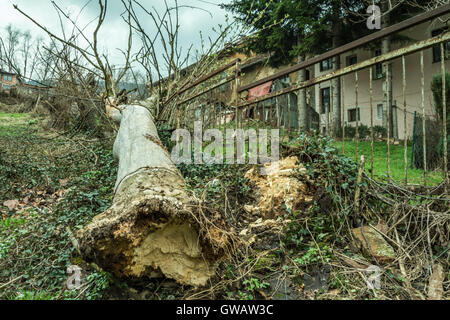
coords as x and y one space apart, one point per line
203 79
214 86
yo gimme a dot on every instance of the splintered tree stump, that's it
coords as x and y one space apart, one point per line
147 232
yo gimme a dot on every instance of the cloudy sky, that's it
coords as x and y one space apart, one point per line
114 32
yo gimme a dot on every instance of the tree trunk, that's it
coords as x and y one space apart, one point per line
148 230
303 108
387 89
336 83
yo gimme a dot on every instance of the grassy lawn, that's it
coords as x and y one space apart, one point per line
397 166
13 115
12 124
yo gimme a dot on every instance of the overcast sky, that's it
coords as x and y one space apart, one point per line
114 32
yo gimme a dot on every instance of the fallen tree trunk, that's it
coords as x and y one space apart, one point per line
147 232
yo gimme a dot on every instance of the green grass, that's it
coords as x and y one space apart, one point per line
15 124
397 166
13 115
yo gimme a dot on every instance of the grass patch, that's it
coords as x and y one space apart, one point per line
13 115
397 167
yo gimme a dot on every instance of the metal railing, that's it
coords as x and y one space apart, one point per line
202 101
208 98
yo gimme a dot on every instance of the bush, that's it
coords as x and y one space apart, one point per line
435 139
436 88
380 132
350 132
433 129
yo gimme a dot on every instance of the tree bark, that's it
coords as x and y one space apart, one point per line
303 108
336 83
148 230
387 89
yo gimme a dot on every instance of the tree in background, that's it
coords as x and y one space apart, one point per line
22 54
288 28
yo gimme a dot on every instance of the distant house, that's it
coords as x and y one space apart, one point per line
7 80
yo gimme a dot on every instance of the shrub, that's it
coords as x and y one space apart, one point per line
436 88
379 132
433 130
350 131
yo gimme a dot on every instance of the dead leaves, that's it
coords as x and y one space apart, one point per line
63 182
33 199
435 287
11 204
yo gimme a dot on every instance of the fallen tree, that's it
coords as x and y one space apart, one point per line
148 231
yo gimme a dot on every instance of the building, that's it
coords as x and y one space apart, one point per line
7 80
432 67
319 97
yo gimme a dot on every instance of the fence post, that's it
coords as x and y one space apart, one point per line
371 121
177 110
237 72
444 116
388 121
405 143
358 189
343 115
413 140
328 107
357 116
424 133
288 115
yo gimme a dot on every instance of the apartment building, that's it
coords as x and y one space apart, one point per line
432 67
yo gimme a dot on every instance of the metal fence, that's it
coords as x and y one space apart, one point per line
215 99
208 99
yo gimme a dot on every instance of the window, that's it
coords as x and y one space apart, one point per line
437 48
222 77
5 78
326 64
324 100
9 78
380 112
286 80
352 115
352 60
307 75
6 87
378 68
